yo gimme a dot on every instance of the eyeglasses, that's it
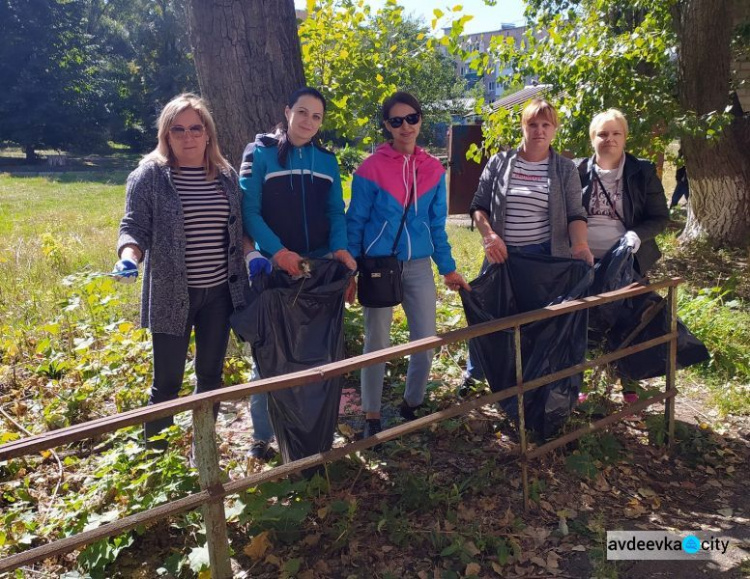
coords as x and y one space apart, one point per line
179 132
396 122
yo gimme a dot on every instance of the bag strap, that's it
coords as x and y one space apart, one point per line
403 217
606 194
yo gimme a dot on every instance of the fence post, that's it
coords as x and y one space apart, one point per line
521 417
209 474
671 365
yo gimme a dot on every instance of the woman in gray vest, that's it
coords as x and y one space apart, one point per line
529 201
183 221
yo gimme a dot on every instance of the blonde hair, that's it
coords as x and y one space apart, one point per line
213 160
608 115
539 108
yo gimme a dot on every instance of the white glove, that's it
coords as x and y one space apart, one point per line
632 240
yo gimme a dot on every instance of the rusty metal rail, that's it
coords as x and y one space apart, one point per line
213 491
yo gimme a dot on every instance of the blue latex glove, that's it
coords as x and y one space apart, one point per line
257 264
125 271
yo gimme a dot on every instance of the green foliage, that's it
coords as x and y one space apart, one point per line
349 159
358 57
593 55
47 74
724 326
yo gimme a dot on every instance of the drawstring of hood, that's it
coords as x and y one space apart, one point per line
405 178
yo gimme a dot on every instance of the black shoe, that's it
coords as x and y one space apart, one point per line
259 450
372 427
466 387
408 413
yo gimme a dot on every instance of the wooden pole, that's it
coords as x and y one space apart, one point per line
671 366
206 456
521 417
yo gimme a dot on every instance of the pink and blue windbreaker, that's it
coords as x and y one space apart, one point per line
379 195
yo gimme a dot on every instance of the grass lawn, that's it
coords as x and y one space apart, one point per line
70 351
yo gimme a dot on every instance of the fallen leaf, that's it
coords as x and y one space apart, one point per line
471 548
547 506
323 513
346 430
311 540
472 569
552 561
579 548
538 561
497 568
729 469
387 548
322 567
646 492
273 560
725 512
258 546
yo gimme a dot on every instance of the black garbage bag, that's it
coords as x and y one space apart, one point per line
614 326
524 283
612 272
293 325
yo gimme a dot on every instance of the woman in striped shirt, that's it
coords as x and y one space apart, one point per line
529 201
184 222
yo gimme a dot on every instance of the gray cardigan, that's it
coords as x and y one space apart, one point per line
564 196
154 222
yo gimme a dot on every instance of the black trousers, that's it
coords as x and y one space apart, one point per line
209 316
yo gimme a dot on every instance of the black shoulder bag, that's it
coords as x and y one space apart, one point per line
379 282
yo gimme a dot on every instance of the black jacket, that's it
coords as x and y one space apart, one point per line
644 204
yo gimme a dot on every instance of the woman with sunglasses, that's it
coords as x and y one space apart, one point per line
529 201
398 177
183 220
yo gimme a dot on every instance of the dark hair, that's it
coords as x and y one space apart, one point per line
283 147
403 98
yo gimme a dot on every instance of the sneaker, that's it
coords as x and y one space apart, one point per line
466 387
259 450
372 427
408 413
630 397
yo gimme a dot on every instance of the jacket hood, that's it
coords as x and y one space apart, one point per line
387 152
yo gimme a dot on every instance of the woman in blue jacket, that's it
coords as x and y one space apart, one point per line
293 207
397 175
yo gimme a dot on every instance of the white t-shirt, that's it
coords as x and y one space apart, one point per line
605 228
527 203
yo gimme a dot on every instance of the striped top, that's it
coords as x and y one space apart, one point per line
527 206
206 211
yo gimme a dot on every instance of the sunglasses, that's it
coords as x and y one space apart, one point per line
179 132
396 122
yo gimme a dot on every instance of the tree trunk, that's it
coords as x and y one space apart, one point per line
31 156
248 60
718 172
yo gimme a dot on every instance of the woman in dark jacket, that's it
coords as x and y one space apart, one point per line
623 198
183 219
622 194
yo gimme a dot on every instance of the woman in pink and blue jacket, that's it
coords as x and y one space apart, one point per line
398 174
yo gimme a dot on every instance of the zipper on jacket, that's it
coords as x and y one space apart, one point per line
304 203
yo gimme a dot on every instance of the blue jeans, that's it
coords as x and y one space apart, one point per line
209 316
420 299
262 429
472 370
